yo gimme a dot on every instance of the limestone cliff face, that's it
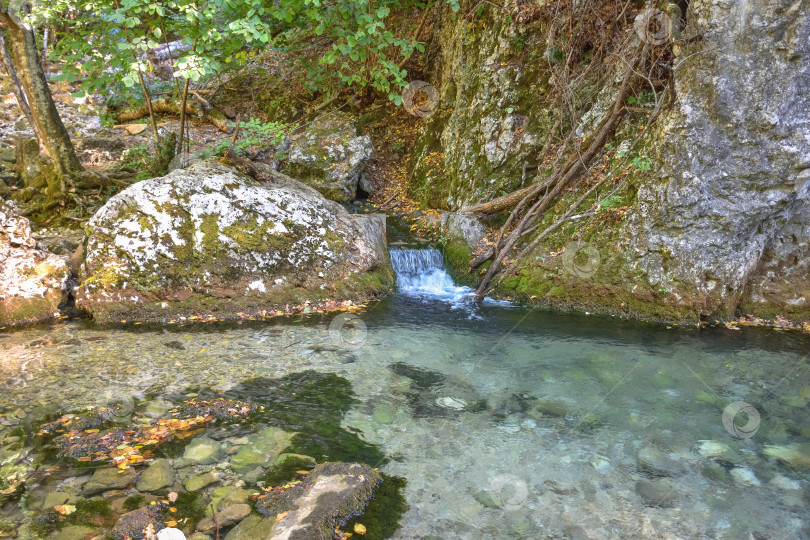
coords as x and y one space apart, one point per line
720 222
491 118
732 160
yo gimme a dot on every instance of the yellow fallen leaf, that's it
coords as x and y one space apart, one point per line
65 509
171 523
281 516
302 472
359 528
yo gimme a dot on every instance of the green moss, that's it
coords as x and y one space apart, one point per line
250 236
312 404
210 229
457 254
286 471
190 505
16 310
382 514
89 512
133 502
103 278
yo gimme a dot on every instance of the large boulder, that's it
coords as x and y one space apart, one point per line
208 240
329 156
32 280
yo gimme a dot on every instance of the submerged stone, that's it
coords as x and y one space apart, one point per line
796 456
133 524
225 517
659 493
203 451
159 475
200 481
253 527
653 461
108 478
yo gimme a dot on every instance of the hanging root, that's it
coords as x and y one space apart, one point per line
530 205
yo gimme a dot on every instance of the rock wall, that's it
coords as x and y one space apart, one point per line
718 225
491 118
732 160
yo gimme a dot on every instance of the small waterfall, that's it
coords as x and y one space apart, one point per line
421 273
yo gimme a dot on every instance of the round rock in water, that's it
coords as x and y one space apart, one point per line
451 403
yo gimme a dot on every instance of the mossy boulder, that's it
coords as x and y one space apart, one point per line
330 156
32 280
331 494
209 240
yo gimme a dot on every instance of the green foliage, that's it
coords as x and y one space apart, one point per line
555 54
642 164
150 166
611 202
518 42
107 47
251 133
643 97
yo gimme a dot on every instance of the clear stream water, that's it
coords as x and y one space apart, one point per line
506 422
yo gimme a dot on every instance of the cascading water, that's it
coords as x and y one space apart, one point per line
421 274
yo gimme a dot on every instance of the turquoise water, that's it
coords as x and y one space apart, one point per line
506 422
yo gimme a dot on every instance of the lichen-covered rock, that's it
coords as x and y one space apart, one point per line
32 281
464 227
332 493
732 159
208 240
329 156
494 108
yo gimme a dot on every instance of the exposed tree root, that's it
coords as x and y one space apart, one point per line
550 188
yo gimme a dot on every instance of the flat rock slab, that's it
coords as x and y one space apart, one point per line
311 510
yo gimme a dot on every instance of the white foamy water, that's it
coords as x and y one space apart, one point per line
421 273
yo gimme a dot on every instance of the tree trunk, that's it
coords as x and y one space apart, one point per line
47 122
19 93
